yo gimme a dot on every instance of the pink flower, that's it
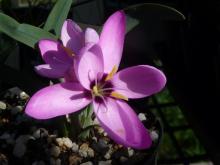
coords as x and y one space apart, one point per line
59 56
107 90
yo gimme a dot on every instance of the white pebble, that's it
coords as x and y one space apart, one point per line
130 152
75 147
3 106
23 95
154 135
142 116
55 151
68 143
87 163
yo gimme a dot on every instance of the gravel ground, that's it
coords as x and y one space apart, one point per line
26 141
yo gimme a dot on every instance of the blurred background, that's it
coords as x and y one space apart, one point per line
185 47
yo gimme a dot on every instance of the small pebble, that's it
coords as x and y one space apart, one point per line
107 162
15 91
19 150
94 138
67 142
83 150
38 163
154 135
108 154
24 138
55 151
130 152
54 161
23 95
90 152
64 142
40 133
3 159
123 159
75 147
87 163
5 136
3 106
142 117
74 160
16 110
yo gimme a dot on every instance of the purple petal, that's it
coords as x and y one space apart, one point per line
53 53
57 71
89 65
112 40
139 81
72 36
121 124
57 100
70 75
91 36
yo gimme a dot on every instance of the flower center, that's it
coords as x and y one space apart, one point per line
103 88
97 91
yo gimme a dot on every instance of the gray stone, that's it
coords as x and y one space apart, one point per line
5 136
55 151
19 150
154 135
24 138
23 95
16 110
67 142
90 152
107 162
15 91
74 159
101 146
75 147
40 132
83 150
3 106
58 162
142 116
123 159
87 163
130 152
64 142
86 151
109 153
38 163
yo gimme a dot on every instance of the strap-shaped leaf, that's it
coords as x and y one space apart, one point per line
155 10
25 33
57 16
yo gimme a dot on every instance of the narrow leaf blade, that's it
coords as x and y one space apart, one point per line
25 33
57 16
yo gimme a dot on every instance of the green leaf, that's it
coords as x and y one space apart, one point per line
85 117
156 11
57 16
131 23
25 33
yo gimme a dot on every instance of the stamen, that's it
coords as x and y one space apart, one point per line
95 90
68 51
111 74
118 96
